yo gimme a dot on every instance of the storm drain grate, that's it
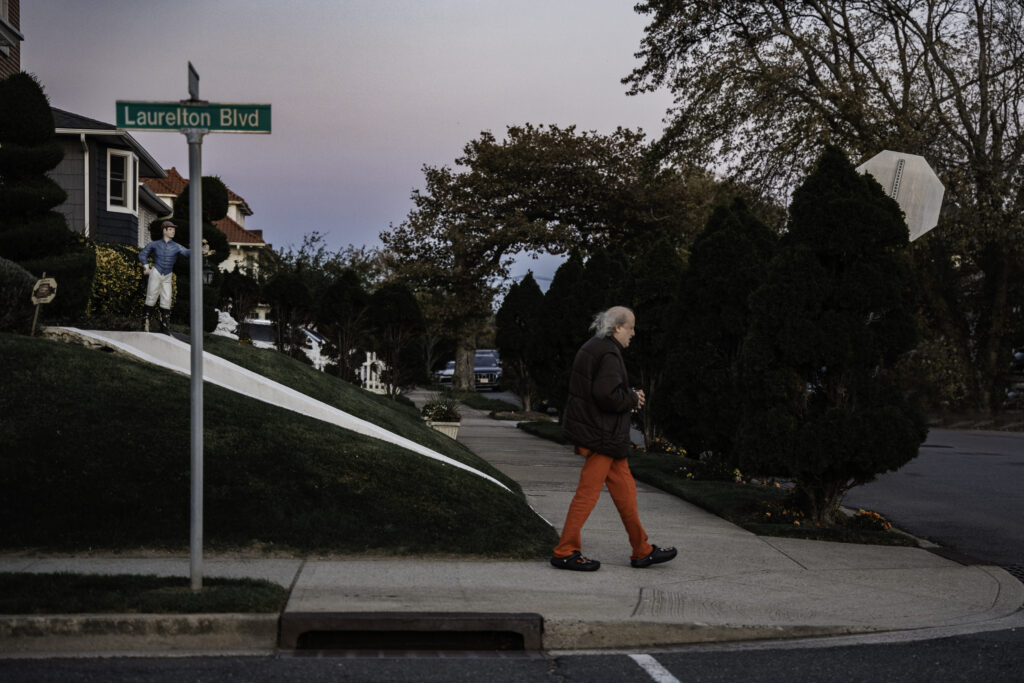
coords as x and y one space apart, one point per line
410 631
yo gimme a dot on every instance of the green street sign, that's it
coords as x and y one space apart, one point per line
177 116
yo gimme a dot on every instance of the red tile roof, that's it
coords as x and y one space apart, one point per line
175 184
236 233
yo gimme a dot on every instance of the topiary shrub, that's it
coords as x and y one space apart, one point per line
73 271
15 297
33 238
29 149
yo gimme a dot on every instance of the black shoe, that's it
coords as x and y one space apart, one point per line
576 562
657 555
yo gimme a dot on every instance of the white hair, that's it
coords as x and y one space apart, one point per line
605 322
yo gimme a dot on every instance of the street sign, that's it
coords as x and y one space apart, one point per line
44 290
177 116
912 183
194 118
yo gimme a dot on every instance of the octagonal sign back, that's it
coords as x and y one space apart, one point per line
909 180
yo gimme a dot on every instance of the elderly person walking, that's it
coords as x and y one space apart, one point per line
596 420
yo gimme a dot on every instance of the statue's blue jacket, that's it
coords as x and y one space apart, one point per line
164 254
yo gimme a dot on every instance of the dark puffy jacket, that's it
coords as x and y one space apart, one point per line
600 400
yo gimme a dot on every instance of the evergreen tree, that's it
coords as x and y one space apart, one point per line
605 282
519 324
341 318
651 289
31 232
836 313
28 149
215 207
291 307
564 329
242 290
396 326
728 261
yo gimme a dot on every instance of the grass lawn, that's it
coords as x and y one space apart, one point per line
763 510
26 593
96 455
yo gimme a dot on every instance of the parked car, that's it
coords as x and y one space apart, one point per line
444 375
486 369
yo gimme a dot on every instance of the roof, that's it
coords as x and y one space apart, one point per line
159 206
236 233
68 123
175 184
172 183
66 119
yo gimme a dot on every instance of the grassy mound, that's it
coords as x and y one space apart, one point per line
96 455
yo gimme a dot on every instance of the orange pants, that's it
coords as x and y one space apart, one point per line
598 471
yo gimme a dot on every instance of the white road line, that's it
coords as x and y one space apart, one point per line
654 669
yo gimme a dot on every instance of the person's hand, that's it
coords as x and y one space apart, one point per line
145 269
206 247
640 398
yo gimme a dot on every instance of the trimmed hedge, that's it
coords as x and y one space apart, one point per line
15 297
118 285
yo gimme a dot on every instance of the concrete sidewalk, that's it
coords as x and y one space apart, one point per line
726 584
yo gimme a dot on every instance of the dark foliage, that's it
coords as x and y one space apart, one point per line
728 261
836 313
396 327
519 330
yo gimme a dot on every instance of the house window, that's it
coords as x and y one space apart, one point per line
122 181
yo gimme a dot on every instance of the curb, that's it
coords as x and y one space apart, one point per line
92 634
574 634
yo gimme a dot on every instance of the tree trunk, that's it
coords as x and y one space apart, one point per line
465 352
820 500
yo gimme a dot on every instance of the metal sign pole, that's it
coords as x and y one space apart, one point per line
195 118
195 198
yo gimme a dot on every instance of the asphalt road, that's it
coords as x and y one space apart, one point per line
964 491
991 657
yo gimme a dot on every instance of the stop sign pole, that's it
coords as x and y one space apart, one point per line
195 118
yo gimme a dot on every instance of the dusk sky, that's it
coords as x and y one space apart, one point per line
363 93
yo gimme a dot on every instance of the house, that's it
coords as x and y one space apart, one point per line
100 172
10 37
248 249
